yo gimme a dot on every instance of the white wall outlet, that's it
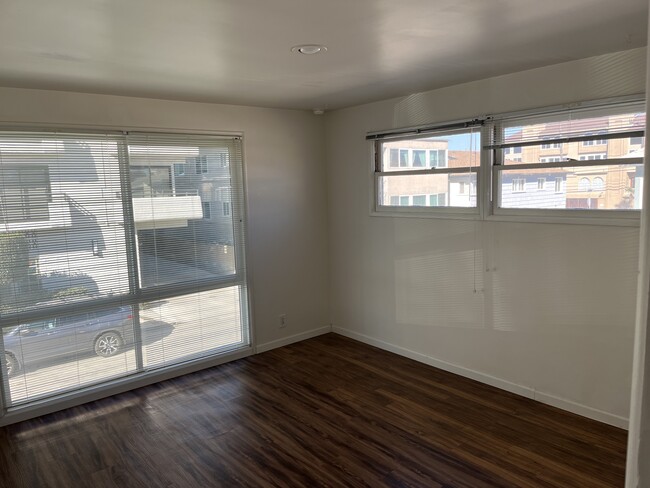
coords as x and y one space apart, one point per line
282 320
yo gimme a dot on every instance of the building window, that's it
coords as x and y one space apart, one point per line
438 158
201 163
225 209
179 169
598 184
551 145
637 141
438 200
419 200
593 157
456 153
394 158
551 159
540 183
584 184
419 158
25 193
403 158
558 185
519 185
207 213
594 142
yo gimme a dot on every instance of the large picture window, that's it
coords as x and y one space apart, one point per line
109 265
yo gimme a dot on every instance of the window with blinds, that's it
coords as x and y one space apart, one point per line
111 261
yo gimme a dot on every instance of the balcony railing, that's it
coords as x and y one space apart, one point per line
166 209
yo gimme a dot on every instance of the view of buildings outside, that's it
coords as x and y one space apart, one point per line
63 240
458 151
609 187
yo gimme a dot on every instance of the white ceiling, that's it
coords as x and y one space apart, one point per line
239 51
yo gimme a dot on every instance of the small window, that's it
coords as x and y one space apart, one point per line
225 209
593 157
594 142
179 169
438 158
551 145
394 158
419 158
584 184
636 141
201 165
457 151
403 158
419 200
25 193
518 185
438 200
598 184
207 213
541 182
558 185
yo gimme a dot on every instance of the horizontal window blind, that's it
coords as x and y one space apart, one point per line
188 215
119 253
62 237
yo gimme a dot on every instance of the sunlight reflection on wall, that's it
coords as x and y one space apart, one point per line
438 278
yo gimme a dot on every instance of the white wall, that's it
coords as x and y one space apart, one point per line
287 206
553 312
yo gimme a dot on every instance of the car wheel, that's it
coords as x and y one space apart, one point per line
11 365
108 344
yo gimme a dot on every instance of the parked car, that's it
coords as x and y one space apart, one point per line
106 333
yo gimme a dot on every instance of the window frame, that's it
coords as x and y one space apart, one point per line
630 217
137 295
491 164
455 212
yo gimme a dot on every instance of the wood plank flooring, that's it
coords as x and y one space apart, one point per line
325 412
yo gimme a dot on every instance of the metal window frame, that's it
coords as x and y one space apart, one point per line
137 295
414 134
613 217
491 165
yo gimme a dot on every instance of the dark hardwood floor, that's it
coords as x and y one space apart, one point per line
325 412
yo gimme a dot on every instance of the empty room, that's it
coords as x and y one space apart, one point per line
347 244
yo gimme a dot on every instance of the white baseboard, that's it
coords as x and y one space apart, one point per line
502 384
285 341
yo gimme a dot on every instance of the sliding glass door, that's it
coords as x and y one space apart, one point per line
119 254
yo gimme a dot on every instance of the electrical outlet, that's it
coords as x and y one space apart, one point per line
282 319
